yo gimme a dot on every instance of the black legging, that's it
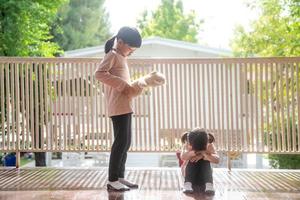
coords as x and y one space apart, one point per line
198 173
118 156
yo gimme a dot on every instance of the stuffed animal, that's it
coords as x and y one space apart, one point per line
153 79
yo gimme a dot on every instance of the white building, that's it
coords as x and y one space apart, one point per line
157 47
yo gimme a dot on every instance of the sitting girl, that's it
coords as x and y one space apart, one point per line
197 153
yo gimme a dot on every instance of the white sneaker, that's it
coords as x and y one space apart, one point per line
116 186
209 189
128 184
187 187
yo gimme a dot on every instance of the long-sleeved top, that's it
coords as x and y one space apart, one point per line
114 73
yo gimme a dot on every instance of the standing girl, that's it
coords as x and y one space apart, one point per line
113 72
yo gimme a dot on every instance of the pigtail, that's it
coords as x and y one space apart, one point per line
184 138
109 44
211 138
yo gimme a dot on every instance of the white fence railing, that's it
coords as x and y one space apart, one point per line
55 104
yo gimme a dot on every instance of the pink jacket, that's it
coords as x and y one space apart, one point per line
114 73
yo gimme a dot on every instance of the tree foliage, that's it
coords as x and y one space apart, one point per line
25 27
276 32
170 21
80 24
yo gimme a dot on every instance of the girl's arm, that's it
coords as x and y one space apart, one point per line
211 154
102 74
186 155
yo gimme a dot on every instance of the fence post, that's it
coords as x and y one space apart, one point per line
228 161
18 159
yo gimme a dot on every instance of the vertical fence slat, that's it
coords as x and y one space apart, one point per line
272 92
287 107
199 94
218 101
13 105
223 107
293 148
17 91
208 67
96 108
233 143
167 106
191 96
47 94
277 109
203 66
49 109
55 105
237 86
196 94
41 102
227 97
87 103
22 112
251 108
256 68
60 103
91 80
36 106
140 132
8 121
261 88
63 113
247 114
2 67
283 147
266 67
213 96
66 113
243 92
27 112
150 136
145 115
78 108
157 113
298 100
185 96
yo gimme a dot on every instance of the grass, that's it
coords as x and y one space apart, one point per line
25 161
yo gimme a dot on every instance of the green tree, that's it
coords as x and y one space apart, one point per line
25 31
80 24
276 32
169 21
25 25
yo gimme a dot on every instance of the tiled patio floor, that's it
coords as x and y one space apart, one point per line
155 183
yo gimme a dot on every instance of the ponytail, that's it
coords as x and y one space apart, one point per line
129 35
109 44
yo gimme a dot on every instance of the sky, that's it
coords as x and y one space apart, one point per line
220 17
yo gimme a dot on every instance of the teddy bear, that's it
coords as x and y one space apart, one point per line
152 79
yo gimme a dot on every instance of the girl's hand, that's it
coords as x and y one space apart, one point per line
197 158
132 91
192 153
205 156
